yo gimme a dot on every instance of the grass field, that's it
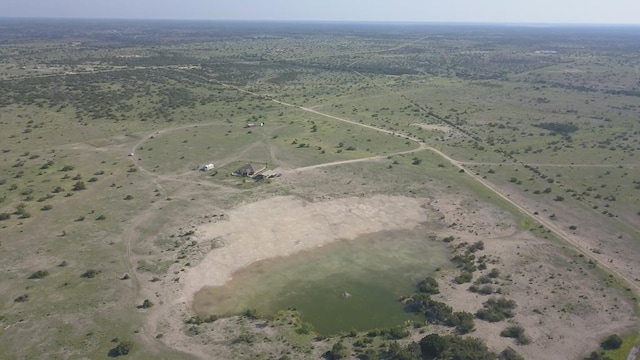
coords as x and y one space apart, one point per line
538 160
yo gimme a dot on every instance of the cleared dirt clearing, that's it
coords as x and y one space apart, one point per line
283 226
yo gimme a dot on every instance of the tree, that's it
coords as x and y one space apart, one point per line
612 342
433 345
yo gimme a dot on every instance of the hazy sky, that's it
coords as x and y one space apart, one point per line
504 11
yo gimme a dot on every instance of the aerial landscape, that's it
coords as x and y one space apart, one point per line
209 189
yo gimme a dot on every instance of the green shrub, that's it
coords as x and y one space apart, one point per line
516 332
476 246
251 314
612 342
429 286
598 355
79 186
40 274
195 320
410 352
246 338
21 298
90 274
339 351
496 309
509 354
397 332
305 328
123 348
464 277
454 347
486 289
370 354
462 321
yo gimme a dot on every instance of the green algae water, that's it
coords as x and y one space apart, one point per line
349 284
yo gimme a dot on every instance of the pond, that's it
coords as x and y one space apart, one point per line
349 284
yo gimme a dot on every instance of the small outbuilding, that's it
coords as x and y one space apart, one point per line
250 170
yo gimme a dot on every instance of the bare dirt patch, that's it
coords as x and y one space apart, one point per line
434 127
282 226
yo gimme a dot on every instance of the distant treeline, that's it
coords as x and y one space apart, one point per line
558 128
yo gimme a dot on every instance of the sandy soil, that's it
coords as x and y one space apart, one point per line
283 226
434 127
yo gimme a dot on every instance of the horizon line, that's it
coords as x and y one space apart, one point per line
396 22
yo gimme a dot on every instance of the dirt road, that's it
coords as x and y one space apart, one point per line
547 223
460 165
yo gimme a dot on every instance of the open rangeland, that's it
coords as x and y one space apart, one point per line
512 168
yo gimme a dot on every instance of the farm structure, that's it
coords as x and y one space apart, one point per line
250 170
